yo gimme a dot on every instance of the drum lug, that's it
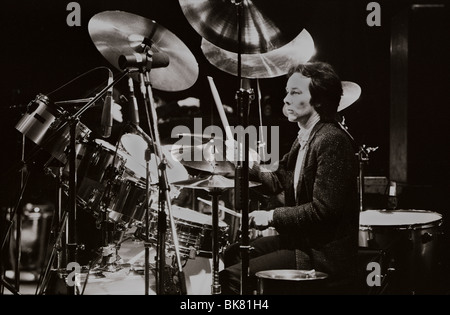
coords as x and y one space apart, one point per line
427 237
81 247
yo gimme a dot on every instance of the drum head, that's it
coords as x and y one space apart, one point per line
134 146
397 217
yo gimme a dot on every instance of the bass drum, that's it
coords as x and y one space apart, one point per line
135 146
409 239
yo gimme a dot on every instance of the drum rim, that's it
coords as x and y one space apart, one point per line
414 226
269 275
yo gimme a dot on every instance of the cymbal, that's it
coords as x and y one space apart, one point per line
263 28
351 93
209 157
271 64
213 157
214 181
117 33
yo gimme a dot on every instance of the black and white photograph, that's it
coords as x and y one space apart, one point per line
221 152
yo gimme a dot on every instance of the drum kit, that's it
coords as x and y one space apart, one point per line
130 185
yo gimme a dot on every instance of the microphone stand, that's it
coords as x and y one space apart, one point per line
72 121
18 213
146 90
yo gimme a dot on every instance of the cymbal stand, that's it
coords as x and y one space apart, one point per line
154 142
244 96
363 158
215 287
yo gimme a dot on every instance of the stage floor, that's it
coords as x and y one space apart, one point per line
128 277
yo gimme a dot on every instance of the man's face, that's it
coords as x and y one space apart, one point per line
297 100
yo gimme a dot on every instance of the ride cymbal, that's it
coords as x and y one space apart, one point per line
263 27
271 64
117 34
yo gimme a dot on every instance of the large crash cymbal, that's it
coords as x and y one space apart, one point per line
263 27
351 93
117 33
271 64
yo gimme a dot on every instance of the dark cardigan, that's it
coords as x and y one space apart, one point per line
322 223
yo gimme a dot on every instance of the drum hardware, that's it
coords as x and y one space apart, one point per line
50 138
154 145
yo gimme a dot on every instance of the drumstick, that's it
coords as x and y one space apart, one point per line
219 105
221 208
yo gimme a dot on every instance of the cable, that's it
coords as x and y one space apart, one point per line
78 77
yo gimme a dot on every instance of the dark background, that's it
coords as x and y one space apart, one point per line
40 53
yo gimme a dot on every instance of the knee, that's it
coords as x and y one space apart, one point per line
232 255
229 282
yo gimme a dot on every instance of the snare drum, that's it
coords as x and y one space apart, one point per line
40 124
194 232
409 237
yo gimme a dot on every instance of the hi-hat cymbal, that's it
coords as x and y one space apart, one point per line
215 156
209 157
211 182
351 93
263 28
264 65
117 33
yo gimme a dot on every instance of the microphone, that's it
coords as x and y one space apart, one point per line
133 103
146 60
107 118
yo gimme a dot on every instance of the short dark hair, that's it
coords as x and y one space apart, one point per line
325 87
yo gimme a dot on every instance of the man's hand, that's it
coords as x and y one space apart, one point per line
260 219
117 112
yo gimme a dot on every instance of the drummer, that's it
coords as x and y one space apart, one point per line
319 222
